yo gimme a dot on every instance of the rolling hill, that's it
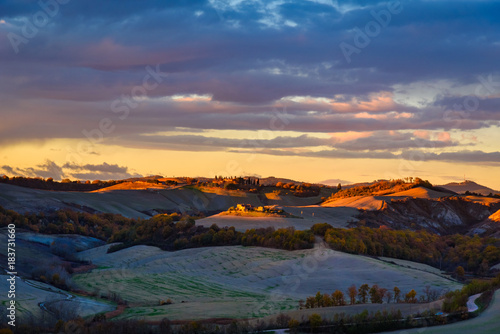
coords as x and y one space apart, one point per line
470 186
238 282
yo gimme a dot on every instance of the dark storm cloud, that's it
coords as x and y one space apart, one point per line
45 170
51 169
465 156
388 141
104 167
247 57
189 141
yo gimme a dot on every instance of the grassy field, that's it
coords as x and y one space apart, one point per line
236 282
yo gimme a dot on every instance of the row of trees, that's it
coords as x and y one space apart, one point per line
445 252
50 184
160 231
365 293
300 190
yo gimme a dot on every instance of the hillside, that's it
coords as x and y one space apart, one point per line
420 192
237 282
490 226
445 215
470 186
495 217
134 185
144 199
379 202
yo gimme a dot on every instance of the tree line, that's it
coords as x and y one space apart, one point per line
365 293
445 252
64 185
163 232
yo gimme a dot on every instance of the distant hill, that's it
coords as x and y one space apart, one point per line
334 182
143 178
471 186
271 180
137 185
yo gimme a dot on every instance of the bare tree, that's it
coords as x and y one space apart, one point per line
388 296
352 292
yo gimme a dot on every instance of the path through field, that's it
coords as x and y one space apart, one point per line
471 305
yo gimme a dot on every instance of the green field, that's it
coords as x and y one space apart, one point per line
236 282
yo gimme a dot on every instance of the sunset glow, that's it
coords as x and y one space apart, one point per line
192 88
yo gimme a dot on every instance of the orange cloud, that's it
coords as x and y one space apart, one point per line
350 135
382 101
424 134
444 136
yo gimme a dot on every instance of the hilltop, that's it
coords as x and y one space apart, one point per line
470 187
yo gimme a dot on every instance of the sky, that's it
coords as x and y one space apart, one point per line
312 90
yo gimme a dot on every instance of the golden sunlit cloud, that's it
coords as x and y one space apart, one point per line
350 135
382 101
191 98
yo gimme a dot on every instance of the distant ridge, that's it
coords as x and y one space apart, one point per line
470 186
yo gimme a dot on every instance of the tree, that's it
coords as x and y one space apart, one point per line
315 321
363 293
374 297
339 187
410 297
388 296
310 302
377 294
319 299
484 268
352 291
293 325
460 272
338 298
382 293
427 293
327 300
397 294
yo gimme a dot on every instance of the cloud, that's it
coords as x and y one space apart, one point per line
45 170
51 169
248 65
392 140
375 141
205 143
464 156
104 167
